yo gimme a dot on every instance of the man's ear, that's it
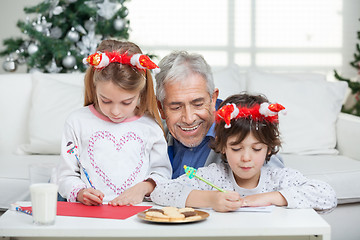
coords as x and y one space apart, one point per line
161 110
215 95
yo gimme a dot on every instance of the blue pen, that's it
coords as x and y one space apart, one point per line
84 170
72 147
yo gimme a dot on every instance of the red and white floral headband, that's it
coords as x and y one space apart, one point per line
101 60
264 111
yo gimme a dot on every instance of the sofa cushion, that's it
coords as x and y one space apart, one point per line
312 108
53 98
341 172
14 104
229 81
15 175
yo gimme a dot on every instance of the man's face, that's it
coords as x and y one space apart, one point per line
188 109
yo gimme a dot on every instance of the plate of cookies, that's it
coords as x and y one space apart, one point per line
173 215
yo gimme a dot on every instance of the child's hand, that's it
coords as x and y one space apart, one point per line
90 196
134 195
264 199
226 202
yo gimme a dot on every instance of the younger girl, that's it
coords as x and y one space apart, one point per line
113 149
246 133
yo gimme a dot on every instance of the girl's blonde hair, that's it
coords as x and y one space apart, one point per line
124 76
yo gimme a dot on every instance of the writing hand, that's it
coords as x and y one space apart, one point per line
90 196
226 202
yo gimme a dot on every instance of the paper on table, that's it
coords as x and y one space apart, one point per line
102 211
256 209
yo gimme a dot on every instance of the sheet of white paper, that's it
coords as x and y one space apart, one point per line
256 209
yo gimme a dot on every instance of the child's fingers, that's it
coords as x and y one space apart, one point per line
234 201
100 195
233 196
96 192
89 201
95 197
228 206
244 204
121 201
118 201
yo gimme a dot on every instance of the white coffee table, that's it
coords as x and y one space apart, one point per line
281 223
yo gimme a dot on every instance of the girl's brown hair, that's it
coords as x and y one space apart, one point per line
263 131
124 76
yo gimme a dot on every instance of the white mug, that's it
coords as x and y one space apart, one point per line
44 202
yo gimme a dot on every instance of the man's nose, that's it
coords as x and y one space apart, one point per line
188 115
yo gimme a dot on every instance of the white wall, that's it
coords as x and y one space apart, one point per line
12 11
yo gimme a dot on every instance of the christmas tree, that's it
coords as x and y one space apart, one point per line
354 84
63 32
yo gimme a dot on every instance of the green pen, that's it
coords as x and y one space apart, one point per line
191 172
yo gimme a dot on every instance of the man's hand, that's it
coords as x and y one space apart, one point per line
90 196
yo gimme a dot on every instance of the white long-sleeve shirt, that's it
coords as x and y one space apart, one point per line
116 156
299 191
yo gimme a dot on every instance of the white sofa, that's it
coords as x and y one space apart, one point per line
317 140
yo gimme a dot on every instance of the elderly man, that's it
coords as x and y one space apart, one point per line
187 100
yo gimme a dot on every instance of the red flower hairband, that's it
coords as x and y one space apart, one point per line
101 60
264 111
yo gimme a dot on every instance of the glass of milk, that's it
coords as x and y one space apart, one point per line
43 201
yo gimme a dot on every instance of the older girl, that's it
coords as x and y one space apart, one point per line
113 149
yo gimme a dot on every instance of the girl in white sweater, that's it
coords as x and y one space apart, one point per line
113 149
247 135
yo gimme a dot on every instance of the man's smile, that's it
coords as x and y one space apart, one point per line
190 128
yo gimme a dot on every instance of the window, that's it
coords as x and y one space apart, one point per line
269 34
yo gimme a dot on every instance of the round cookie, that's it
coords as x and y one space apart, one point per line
193 218
155 210
170 210
186 209
158 216
189 214
176 216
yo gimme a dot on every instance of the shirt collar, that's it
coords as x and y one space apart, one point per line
211 132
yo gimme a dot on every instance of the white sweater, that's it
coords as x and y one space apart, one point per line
116 156
299 191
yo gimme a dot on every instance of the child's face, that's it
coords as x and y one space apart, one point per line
246 159
114 102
